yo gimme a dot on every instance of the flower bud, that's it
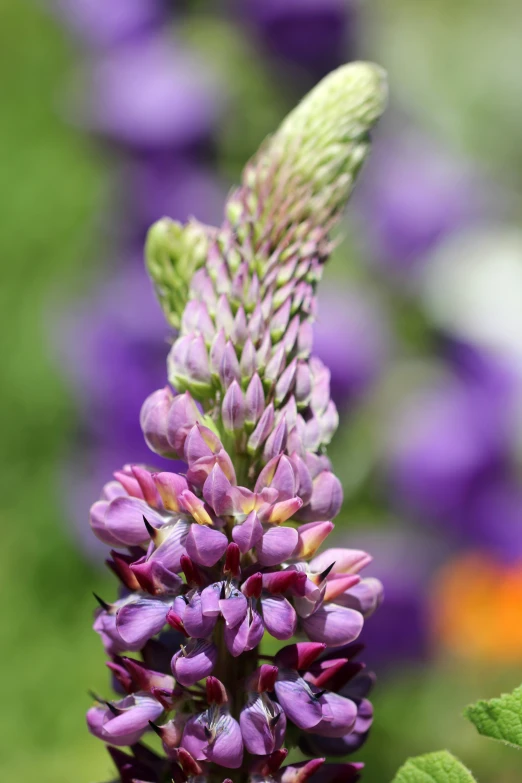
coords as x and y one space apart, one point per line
233 408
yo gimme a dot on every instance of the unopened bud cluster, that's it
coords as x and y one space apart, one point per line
218 558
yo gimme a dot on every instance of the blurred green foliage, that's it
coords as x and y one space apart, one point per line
51 188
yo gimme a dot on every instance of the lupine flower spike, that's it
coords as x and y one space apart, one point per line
212 559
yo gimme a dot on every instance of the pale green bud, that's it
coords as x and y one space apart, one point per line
173 253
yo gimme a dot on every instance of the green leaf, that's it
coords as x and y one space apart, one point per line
500 719
439 767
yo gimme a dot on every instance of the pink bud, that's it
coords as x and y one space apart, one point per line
153 421
262 430
216 691
311 536
254 400
229 368
232 559
233 408
252 586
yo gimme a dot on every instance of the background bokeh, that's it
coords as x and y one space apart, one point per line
115 112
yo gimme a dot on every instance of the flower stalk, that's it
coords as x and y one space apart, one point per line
213 558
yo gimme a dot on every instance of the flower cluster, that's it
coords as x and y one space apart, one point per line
219 557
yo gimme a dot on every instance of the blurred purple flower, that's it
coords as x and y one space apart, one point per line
315 35
413 194
104 23
156 185
151 94
405 560
113 345
453 439
351 338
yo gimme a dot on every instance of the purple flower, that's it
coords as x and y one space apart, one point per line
194 662
350 337
452 438
216 549
311 34
106 24
214 735
151 94
124 722
263 725
414 194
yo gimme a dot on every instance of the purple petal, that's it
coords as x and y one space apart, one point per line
196 661
155 578
234 608
153 421
98 525
227 748
364 597
172 548
183 416
345 561
326 500
194 738
263 726
247 535
196 623
210 598
217 492
134 718
246 635
139 621
220 742
124 520
96 720
340 715
105 626
279 617
298 700
333 625
277 544
205 545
